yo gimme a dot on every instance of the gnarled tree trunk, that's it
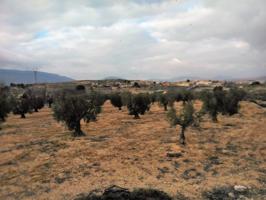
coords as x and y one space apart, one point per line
182 138
165 107
136 116
77 131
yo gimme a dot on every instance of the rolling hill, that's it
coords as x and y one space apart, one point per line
8 76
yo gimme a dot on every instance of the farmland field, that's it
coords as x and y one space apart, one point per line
41 160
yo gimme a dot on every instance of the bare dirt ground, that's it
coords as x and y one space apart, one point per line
40 160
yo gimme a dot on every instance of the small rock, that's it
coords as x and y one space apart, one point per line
176 165
240 188
174 155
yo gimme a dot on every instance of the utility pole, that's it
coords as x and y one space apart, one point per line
35 74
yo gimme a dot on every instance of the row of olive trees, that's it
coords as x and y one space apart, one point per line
27 102
73 106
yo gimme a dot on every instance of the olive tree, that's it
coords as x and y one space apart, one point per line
71 109
163 100
138 104
153 97
184 119
210 105
185 95
5 106
49 100
116 100
36 97
232 99
37 103
22 105
97 99
126 98
220 101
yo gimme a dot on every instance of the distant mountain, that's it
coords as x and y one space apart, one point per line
8 76
261 78
180 78
113 78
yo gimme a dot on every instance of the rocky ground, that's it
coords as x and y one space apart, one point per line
40 159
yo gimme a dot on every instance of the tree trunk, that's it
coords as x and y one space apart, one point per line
119 108
50 105
36 109
23 115
78 132
182 138
136 116
165 107
214 118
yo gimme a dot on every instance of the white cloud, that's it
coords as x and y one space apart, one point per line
134 39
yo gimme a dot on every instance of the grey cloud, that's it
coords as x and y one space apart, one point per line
134 39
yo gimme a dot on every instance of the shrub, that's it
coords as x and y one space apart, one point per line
80 87
71 109
116 100
138 105
136 85
184 119
117 193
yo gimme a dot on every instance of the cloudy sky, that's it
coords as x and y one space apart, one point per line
136 39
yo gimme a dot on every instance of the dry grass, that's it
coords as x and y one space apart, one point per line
40 160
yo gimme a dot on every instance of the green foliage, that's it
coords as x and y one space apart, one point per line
210 104
80 87
126 98
37 103
163 100
5 106
220 101
185 118
36 97
116 100
97 99
138 104
172 96
49 100
153 97
70 109
232 99
185 95
22 105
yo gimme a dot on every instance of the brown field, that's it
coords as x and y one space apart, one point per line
40 160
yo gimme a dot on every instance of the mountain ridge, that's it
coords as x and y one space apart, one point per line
8 76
